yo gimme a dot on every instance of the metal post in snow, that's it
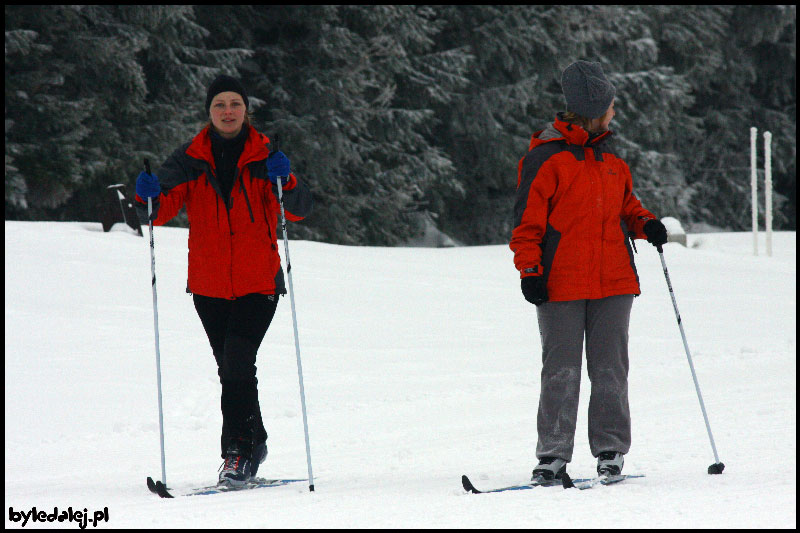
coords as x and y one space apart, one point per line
754 186
768 189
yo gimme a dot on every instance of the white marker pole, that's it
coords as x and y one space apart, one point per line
768 189
754 186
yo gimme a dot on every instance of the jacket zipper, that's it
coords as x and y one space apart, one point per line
244 191
269 228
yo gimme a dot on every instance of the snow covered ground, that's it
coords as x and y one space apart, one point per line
420 365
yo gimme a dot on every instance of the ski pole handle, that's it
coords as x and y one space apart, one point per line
149 202
273 148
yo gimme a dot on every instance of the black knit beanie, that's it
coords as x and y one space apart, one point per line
586 89
224 83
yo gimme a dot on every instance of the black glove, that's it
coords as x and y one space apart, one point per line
656 232
534 288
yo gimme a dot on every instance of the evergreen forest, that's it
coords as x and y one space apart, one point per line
401 117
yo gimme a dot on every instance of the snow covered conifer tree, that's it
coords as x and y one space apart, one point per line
90 89
349 91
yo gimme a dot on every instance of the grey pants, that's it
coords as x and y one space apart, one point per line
562 326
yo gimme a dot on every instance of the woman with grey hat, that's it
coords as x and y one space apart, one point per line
574 214
226 177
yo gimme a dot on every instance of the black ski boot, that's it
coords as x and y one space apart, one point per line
549 468
238 467
259 456
610 463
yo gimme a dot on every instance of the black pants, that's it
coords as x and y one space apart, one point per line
235 329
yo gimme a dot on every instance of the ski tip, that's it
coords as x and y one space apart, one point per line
158 487
162 490
566 481
468 486
716 468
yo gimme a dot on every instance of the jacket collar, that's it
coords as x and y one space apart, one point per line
255 147
573 134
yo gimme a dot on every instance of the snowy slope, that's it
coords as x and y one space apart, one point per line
420 365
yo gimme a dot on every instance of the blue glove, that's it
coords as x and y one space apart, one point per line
147 186
278 167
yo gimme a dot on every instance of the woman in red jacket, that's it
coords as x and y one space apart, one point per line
227 179
574 214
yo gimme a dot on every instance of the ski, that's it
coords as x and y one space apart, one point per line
159 488
469 487
605 479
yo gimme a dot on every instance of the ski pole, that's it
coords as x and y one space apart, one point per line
717 467
155 322
296 335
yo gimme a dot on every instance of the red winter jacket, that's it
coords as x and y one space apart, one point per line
574 212
233 248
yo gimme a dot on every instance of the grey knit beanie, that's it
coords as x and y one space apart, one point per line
587 90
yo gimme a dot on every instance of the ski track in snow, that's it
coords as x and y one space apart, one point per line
420 365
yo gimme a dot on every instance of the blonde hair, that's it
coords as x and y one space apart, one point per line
574 118
583 122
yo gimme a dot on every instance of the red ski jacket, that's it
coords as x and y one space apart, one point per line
233 247
574 213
